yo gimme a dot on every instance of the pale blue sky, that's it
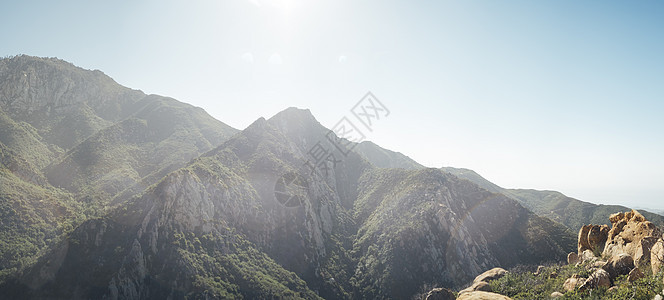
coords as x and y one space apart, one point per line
562 95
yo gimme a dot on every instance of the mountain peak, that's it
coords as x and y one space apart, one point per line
294 114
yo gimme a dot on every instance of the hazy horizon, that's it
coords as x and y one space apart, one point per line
558 96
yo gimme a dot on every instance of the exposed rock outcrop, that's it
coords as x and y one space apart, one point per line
627 231
642 255
481 282
631 244
493 274
440 294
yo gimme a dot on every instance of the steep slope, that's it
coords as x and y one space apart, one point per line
159 137
32 215
72 139
570 212
429 227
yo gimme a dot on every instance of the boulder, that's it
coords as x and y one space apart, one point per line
642 255
481 281
477 286
627 231
539 271
599 278
556 295
587 255
583 238
482 286
572 258
618 265
479 295
492 274
440 294
657 256
573 282
635 275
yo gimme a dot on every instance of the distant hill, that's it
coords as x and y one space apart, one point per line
571 212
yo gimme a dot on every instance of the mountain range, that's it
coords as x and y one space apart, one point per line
109 193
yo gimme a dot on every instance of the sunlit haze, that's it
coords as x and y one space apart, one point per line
556 95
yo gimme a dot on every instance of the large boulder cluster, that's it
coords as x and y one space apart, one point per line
631 245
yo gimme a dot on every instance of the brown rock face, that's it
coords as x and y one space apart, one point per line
657 256
593 238
627 231
597 237
583 238
618 265
440 294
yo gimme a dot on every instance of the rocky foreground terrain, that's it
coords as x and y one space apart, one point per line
624 261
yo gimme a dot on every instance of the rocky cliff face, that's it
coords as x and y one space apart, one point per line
429 226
